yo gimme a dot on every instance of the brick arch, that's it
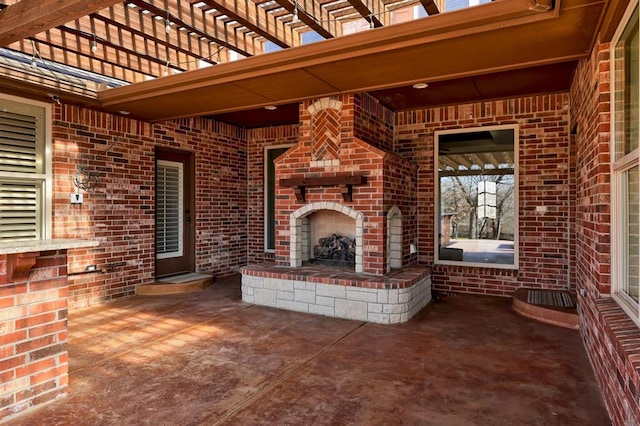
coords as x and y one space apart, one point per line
299 232
324 103
394 239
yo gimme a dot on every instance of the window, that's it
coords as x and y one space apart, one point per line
270 154
25 169
169 202
476 195
625 166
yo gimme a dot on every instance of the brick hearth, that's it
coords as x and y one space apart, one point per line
387 299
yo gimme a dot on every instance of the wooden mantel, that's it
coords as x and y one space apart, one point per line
344 180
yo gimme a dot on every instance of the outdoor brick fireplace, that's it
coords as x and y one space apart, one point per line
334 185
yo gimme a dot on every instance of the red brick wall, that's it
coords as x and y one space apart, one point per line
33 334
400 190
544 181
372 121
386 174
259 139
367 199
610 336
119 211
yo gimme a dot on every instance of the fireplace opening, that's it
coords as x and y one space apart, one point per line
335 250
332 239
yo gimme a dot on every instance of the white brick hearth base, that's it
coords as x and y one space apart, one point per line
380 306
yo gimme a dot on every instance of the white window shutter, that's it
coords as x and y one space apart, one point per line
19 218
18 143
169 195
20 198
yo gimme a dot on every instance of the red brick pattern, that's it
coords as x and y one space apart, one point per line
33 335
119 211
386 173
373 122
612 339
400 190
613 344
325 130
543 178
400 279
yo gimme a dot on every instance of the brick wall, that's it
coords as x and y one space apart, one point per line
544 180
258 140
372 121
119 211
400 190
610 336
33 334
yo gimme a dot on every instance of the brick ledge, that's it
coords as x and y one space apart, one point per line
400 279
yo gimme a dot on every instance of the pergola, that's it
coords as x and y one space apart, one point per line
177 58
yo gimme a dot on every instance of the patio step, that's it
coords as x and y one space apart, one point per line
184 283
555 307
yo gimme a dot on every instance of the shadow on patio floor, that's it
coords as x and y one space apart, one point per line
208 358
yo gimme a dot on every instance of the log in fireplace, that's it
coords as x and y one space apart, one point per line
335 250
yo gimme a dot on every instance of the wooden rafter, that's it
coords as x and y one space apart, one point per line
371 11
433 7
310 13
193 23
51 51
138 25
29 17
110 49
256 19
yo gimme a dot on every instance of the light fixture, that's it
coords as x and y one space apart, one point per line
167 24
270 107
420 85
94 44
166 68
123 112
371 25
34 58
295 13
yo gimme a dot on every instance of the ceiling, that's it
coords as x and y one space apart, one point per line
179 58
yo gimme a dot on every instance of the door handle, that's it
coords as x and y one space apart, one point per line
188 219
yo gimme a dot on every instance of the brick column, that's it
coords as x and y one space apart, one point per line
33 331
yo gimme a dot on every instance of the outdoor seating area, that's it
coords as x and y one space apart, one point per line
207 358
320 212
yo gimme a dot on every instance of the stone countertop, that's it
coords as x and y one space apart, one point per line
28 246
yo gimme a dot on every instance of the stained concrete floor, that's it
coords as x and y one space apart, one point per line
207 358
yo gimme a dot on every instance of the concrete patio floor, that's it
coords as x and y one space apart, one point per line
208 358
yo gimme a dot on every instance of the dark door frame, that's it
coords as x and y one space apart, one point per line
188 159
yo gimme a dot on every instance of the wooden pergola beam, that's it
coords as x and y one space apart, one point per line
311 17
256 19
29 17
118 16
51 51
112 50
368 13
432 7
179 20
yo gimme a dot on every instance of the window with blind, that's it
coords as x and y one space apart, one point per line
24 169
169 199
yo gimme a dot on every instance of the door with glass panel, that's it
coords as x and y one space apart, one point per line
174 213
